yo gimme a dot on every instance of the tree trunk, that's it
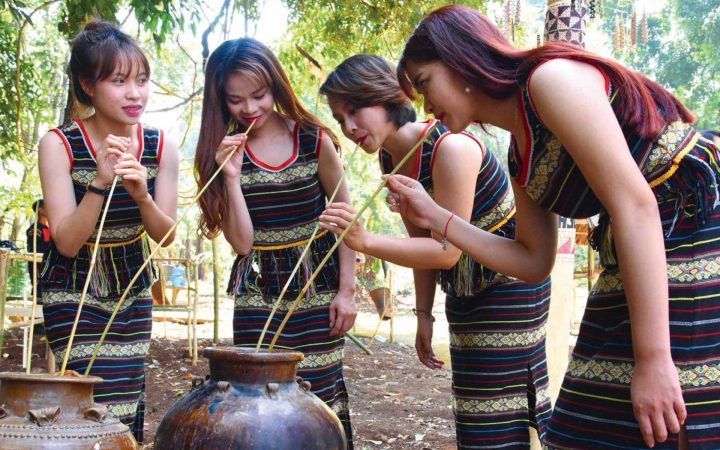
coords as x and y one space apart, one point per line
19 216
69 110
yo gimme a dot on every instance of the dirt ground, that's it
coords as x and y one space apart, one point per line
395 402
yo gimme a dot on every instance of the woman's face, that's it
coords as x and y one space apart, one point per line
248 99
123 95
367 126
446 95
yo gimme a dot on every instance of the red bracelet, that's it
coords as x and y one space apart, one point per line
444 237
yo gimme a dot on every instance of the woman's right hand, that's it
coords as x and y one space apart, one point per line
409 198
111 150
423 343
231 144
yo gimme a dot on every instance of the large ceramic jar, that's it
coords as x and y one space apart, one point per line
251 400
44 412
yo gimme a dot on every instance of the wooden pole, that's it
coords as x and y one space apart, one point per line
216 291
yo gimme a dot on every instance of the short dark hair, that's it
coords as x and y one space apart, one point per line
95 53
367 80
37 204
710 134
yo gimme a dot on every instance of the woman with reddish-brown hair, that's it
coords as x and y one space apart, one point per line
267 202
592 137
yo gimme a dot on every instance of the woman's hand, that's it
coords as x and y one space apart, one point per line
423 342
337 218
409 198
111 150
231 144
134 177
657 400
342 313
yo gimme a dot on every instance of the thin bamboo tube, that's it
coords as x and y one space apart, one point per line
87 279
154 251
34 294
302 256
345 232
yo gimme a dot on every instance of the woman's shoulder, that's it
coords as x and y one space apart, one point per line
556 72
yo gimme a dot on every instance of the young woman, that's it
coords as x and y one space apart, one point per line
267 202
78 162
589 137
497 324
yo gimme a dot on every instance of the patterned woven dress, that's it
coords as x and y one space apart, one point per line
594 408
123 249
284 204
497 324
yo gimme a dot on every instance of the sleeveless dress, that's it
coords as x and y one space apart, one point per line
285 202
497 323
594 409
123 249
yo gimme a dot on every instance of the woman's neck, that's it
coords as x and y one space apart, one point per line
502 113
100 126
272 126
399 142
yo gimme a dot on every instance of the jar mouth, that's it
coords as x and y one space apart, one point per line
249 355
69 377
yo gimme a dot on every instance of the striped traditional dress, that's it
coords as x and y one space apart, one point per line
123 249
285 202
594 408
497 323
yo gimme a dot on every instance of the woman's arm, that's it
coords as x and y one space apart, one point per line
599 149
342 309
236 225
457 163
425 281
72 224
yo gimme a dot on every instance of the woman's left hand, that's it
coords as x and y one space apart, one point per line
657 400
134 177
337 217
342 313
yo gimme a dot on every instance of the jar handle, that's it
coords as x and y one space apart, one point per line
96 413
44 417
197 382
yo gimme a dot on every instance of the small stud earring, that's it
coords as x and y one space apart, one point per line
467 89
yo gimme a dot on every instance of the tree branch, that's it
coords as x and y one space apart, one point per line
210 28
187 100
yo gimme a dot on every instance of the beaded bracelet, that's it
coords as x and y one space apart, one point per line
416 311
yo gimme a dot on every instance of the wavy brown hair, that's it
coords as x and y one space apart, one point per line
368 80
252 57
471 45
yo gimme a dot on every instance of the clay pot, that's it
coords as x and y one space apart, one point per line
250 400
381 297
42 412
